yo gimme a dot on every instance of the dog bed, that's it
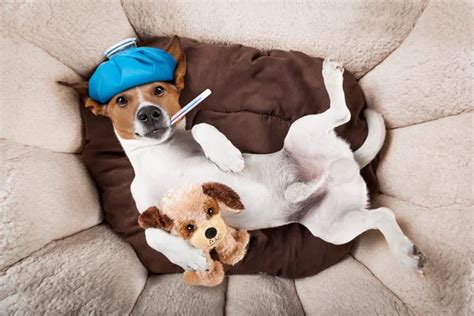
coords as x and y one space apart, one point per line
411 58
256 96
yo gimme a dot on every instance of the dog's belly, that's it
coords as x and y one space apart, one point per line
260 185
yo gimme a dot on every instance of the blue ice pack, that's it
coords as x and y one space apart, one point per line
129 66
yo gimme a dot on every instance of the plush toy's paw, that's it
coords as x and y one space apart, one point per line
213 277
237 252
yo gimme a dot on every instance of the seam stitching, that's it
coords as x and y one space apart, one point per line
465 111
383 284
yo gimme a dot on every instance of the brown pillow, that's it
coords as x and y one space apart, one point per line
256 96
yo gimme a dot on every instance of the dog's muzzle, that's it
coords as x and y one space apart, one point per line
149 115
154 123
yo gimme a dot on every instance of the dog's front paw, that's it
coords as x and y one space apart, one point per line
177 250
228 160
218 148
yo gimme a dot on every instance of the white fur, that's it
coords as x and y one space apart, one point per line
277 188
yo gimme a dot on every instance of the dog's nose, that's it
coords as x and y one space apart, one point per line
149 114
210 233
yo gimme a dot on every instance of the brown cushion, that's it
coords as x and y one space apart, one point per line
256 96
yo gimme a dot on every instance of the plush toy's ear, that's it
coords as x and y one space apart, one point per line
152 218
224 194
175 49
82 88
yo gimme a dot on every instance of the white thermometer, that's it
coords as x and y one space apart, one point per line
191 105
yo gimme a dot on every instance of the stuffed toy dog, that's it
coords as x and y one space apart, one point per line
194 213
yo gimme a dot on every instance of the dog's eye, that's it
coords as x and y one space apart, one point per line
190 227
121 101
210 211
159 91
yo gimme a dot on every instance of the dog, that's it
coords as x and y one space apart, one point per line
193 213
314 180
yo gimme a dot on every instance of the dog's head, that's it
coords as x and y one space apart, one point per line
194 213
143 112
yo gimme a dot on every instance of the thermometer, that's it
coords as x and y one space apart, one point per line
191 105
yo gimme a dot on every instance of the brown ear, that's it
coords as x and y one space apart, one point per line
175 49
152 218
223 194
82 88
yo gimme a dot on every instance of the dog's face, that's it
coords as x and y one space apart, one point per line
194 213
143 112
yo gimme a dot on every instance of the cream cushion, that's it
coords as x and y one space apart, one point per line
414 61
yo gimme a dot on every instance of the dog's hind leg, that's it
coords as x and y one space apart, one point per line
307 128
338 113
348 225
307 134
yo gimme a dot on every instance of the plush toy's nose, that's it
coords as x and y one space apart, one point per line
149 114
210 233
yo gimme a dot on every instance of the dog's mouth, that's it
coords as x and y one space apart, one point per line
157 132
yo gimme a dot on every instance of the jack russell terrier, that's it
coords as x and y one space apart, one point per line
314 180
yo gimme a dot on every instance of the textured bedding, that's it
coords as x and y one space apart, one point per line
413 59
256 96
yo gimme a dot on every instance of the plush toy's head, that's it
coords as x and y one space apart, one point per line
194 213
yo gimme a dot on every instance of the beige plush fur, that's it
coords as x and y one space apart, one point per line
44 196
93 272
36 111
415 60
430 75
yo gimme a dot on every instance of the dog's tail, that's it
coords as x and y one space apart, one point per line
374 141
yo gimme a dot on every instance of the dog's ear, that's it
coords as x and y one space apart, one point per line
152 218
82 88
175 49
223 194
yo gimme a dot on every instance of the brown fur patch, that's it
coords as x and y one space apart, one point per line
152 218
183 230
211 203
223 194
175 49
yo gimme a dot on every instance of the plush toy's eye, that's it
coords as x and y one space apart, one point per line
159 91
121 101
190 227
210 211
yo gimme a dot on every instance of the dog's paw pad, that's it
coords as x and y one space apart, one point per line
420 257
